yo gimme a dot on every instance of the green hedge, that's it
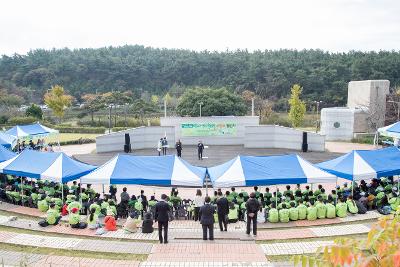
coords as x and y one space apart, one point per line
78 142
21 120
92 130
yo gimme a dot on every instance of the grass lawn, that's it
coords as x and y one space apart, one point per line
64 137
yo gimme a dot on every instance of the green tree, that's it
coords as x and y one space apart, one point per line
217 102
297 106
9 100
141 109
93 103
57 100
155 99
34 111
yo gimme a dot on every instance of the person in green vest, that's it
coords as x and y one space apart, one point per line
16 196
256 192
234 193
53 215
288 193
229 197
214 197
34 198
112 207
242 207
311 211
273 214
93 219
284 214
90 191
334 196
321 208
293 212
330 210
74 204
96 206
239 199
74 219
341 208
84 197
267 197
351 205
297 191
323 194
233 214
70 197
306 191
245 195
394 202
318 191
58 202
43 205
152 202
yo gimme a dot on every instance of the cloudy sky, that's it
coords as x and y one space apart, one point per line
333 25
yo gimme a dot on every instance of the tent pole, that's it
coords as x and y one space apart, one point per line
276 196
103 188
80 189
62 192
206 187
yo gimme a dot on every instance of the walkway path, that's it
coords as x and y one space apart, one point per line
23 259
75 243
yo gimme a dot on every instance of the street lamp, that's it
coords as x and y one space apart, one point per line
200 104
109 121
317 122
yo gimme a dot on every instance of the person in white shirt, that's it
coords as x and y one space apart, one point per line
198 202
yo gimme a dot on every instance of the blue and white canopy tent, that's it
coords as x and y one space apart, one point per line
55 166
392 130
8 141
147 170
5 154
32 131
365 164
267 170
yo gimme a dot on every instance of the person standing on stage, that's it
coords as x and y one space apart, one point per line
200 148
178 147
164 146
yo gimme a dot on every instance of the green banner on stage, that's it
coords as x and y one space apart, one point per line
208 129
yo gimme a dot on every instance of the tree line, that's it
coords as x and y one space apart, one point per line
144 70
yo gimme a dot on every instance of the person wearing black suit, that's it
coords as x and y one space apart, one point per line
206 215
162 210
222 211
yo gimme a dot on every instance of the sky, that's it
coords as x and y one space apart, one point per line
331 25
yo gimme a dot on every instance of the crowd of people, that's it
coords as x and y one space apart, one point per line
101 211
40 145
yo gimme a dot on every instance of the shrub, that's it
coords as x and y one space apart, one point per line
78 142
21 120
3 119
380 248
92 130
34 111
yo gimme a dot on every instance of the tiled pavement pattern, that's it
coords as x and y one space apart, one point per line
340 230
207 252
335 230
75 243
209 264
293 248
13 258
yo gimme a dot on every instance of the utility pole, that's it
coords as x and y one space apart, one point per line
109 121
318 120
252 107
165 108
201 103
